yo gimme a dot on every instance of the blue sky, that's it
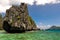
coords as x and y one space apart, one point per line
48 14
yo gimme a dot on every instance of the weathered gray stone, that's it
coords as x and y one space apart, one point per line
18 18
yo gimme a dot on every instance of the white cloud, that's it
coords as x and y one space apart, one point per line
43 2
42 26
17 2
3 8
5 4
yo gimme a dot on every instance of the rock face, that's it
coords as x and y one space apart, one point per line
18 18
1 22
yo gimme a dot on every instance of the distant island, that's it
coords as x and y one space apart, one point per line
54 28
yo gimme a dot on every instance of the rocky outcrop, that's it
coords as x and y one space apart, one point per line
18 18
1 21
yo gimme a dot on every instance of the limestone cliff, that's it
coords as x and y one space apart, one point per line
18 16
1 22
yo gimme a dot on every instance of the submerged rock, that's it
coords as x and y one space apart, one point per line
17 19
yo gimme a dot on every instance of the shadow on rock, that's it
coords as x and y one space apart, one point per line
8 28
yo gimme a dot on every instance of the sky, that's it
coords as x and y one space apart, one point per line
44 12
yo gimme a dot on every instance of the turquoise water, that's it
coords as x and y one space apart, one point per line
54 30
34 35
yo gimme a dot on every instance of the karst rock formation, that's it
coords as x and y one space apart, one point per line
17 19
